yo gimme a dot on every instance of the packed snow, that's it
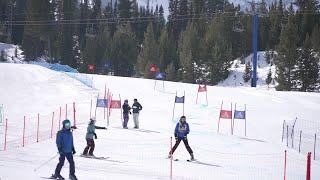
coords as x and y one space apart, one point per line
142 154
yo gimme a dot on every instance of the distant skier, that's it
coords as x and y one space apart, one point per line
89 137
136 108
181 131
126 110
66 149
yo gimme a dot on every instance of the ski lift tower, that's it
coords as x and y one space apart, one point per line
255 24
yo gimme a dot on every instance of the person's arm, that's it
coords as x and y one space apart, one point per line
73 149
176 131
59 142
100 127
140 107
187 129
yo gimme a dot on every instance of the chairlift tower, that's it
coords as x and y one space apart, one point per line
255 24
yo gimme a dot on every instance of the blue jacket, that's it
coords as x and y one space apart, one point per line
181 130
64 141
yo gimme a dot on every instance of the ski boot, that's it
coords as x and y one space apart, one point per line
57 176
191 157
73 177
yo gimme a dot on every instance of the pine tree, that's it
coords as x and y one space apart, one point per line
149 53
167 51
316 38
269 78
171 72
308 66
123 51
35 37
19 15
3 56
247 72
68 31
287 56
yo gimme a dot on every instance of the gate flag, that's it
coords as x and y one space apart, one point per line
115 104
202 88
102 103
225 114
179 99
239 114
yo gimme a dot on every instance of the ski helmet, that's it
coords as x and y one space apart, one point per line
66 124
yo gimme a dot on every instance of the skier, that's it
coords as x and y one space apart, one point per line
89 137
126 110
66 149
136 108
181 131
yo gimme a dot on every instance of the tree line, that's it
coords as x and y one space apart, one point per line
195 43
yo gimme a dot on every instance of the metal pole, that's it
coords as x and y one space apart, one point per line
285 164
300 142
255 48
314 147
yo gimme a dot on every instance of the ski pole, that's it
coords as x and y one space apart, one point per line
44 163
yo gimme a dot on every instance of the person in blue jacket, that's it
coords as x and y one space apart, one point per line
181 131
66 149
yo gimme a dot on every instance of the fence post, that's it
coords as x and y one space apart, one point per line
52 125
171 158
38 124
74 115
283 129
287 135
314 146
66 111
308 175
24 130
285 165
5 136
300 141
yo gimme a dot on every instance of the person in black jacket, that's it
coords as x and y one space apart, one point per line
126 110
136 108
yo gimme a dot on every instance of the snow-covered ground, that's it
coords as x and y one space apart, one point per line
237 70
141 154
12 53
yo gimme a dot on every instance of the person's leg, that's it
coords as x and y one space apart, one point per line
125 120
60 164
92 145
85 151
135 120
71 163
175 146
185 141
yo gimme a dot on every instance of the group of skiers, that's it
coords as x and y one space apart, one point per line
64 139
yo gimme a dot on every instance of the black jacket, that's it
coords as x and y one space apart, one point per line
136 107
126 108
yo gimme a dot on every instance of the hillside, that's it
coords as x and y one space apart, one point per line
141 154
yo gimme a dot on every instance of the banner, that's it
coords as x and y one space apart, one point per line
225 114
202 88
115 104
102 103
160 76
239 114
179 99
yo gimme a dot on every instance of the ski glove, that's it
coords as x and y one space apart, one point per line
95 136
73 151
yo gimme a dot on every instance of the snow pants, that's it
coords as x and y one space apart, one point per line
90 145
185 141
136 120
125 120
69 157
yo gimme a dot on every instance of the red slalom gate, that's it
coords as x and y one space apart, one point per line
308 176
5 135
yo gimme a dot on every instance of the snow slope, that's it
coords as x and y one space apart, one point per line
141 154
9 52
237 70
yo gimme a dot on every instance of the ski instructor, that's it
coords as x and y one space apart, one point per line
66 149
181 131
